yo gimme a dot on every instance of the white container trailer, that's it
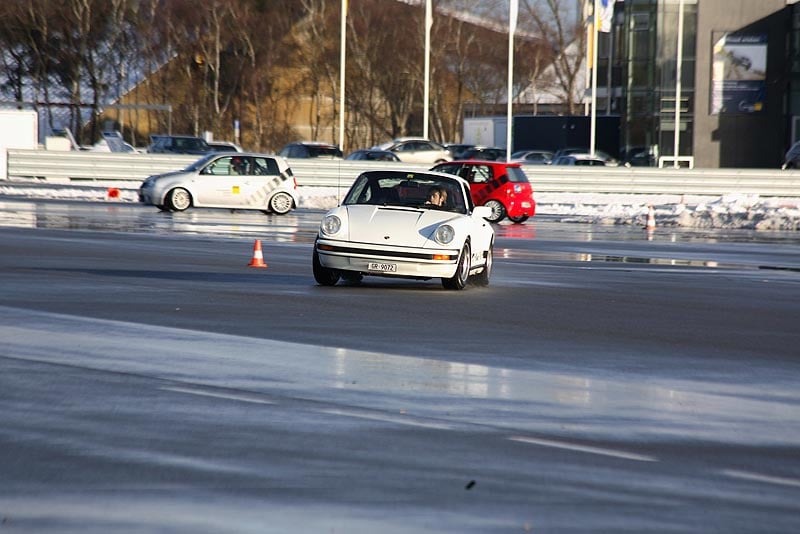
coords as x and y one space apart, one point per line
486 131
18 129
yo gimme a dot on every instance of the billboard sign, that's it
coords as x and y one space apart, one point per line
739 73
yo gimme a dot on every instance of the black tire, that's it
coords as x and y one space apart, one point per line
482 278
460 279
323 275
352 278
281 204
179 199
518 220
498 211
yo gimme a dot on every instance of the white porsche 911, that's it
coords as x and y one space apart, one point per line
405 224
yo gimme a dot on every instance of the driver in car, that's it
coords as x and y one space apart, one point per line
437 196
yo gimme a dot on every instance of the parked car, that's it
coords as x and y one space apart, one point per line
485 153
224 180
103 145
605 156
178 144
372 155
502 187
532 157
638 156
456 149
792 158
417 150
580 159
224 146
386 227
310 149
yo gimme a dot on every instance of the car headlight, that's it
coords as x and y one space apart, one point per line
444 234
331 225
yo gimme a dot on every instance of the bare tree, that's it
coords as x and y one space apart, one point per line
560 24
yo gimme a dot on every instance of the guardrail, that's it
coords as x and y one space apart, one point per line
98 167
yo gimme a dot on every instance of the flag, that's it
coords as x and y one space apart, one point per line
606 12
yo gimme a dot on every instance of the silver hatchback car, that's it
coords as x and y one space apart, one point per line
225 180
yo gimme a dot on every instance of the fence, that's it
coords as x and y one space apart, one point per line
97 167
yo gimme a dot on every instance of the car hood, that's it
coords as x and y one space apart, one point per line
387 225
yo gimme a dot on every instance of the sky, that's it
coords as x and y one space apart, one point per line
733 211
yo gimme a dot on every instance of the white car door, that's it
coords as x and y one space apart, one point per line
221 184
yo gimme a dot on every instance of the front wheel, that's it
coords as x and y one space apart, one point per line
459 280
518 220
498 211
280 203
323 275
179 199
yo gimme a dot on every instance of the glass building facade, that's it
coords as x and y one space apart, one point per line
731 114
641 80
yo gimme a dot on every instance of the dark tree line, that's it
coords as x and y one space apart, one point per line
262 63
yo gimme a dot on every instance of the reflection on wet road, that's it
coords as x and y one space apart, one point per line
607 381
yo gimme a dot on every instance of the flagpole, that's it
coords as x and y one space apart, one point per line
342 58
512 27
678 81
427 90
593 120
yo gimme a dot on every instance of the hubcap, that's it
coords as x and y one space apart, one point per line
281 203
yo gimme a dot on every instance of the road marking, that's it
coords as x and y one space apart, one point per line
228 396
584 448
402 420
756 477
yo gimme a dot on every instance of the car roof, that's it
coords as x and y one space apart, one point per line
312 143
412 173
399 139
178 136
492 163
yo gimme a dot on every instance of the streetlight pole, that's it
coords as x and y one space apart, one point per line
678 69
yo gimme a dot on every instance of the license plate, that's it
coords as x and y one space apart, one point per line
382 267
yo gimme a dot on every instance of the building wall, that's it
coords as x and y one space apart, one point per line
755 140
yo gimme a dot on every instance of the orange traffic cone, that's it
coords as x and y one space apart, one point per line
258 256
112 193
651 219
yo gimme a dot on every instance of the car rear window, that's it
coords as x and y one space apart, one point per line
516 174
324 151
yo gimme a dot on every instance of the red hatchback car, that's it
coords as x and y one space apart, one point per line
500 185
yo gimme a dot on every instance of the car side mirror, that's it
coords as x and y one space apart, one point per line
484 212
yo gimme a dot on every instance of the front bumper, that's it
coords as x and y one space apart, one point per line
407 261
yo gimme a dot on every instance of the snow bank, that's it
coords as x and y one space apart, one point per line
729 211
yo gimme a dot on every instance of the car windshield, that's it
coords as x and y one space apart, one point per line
200 163
408 190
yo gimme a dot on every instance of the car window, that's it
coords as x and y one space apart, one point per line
266 166
479 174
409 146
516 174
219 167
323 151
449 168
